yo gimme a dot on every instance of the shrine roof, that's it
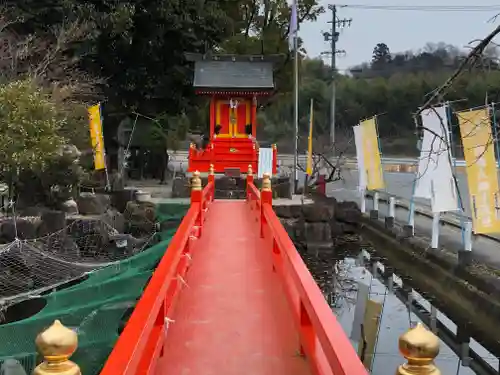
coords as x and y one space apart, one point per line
221 91
234 75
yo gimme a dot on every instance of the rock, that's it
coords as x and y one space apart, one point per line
350 228
281 186
63 244
93 204
120 198
317 232
52 221
141 217
290 225
23 228
180 188
69 207
348 212
336 229
283 211
115 219
296 210
33 211
91 235
142 196
314 213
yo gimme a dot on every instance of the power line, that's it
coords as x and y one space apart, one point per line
425 8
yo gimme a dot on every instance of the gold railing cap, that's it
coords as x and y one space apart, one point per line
57 344
250 170
57 341
196 181
419 343
266 182
211 169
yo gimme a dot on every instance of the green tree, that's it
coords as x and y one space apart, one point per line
29 124
381 56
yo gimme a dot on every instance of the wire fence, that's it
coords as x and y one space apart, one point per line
85 244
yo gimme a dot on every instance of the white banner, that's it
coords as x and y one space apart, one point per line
434 178
358 140
265 162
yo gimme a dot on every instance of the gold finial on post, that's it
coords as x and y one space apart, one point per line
250 170
274 146
196 181
420 347
192 145
266 182
57 344
211 170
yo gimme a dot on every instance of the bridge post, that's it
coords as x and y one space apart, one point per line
57 344
420 347
465 255
266 197
362 203
374 212
249 175
435 230
197 197
389 220
409 229
211 173
275 159
321 185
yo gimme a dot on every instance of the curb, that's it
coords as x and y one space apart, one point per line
419 211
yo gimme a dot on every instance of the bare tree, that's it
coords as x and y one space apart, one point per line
322 161
47 58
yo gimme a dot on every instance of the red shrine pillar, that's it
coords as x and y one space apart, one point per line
212 115
253 116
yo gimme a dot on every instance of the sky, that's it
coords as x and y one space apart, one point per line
400 30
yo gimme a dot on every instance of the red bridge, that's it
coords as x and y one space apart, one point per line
232 295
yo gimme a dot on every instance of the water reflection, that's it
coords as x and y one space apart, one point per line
339 282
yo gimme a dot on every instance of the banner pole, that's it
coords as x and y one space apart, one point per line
455 171
495 129
108 185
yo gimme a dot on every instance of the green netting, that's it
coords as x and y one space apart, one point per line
170 211
97 307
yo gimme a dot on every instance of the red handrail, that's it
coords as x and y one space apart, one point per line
322 339
138 347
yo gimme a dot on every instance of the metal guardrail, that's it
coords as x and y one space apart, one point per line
424 209
177 155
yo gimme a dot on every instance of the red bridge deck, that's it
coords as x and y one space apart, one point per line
231 295
233 315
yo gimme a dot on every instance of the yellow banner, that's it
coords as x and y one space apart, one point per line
477 141
371 155
95 124
309 168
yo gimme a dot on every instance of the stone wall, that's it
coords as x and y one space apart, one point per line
319 224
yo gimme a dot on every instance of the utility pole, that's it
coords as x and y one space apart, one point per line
333 37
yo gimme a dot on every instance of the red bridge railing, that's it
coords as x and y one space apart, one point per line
322 339
139 346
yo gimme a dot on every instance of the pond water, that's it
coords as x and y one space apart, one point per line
339 281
